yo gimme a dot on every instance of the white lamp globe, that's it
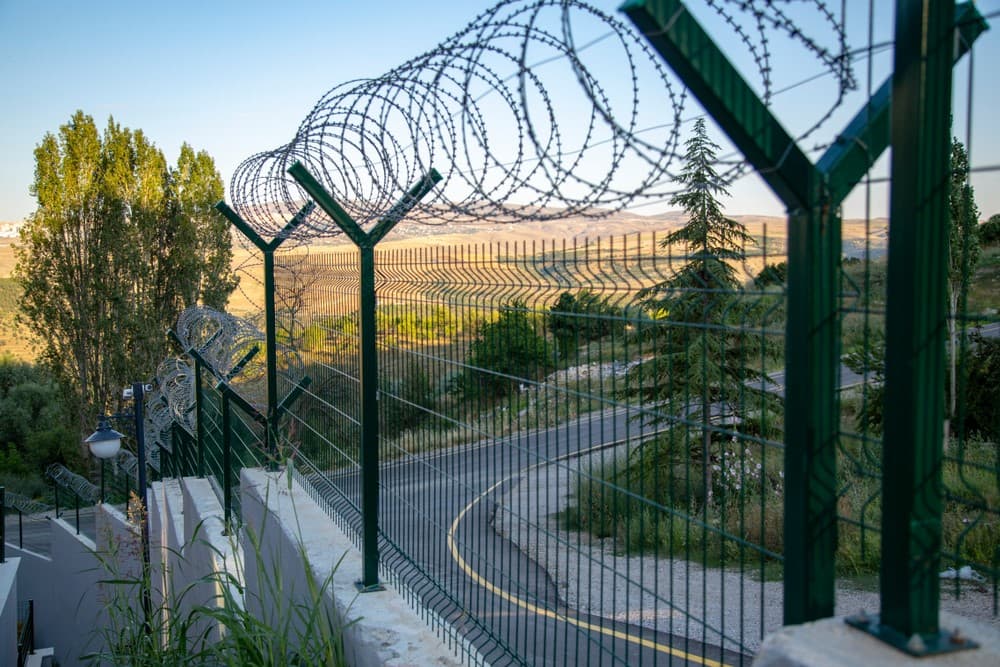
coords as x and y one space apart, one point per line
105 442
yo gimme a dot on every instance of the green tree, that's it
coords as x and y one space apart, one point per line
406 400
867 359
982 404
36 428
989 231
963 255
579 318
772 274
700 356
503 353
198 188
118 245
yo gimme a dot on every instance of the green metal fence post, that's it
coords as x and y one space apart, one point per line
366 242
227 462
267 248
812 359
369 414
916 321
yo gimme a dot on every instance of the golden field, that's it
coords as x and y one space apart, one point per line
248 298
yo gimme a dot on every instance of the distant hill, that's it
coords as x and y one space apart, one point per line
407 234
856 233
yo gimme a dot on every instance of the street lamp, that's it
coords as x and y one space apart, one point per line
105 443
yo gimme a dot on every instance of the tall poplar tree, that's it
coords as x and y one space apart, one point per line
118 245
198 189
963 256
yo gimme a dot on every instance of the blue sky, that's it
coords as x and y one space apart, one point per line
235 78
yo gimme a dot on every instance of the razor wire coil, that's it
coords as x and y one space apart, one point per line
67 479
23 504
492 108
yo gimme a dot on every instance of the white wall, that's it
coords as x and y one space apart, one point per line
69 601
206 550
188 544
384 630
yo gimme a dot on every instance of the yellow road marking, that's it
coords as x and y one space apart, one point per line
535 609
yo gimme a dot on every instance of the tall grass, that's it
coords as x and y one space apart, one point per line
222 630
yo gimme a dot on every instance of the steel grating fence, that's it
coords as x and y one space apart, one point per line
584 452
231 441
958 555
544 481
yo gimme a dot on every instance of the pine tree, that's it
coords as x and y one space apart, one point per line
699 360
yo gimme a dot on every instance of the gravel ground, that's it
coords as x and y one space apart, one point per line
708 604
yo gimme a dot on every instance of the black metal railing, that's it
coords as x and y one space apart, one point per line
25 631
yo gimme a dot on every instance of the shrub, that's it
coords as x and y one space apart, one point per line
655 501
313 338
867 358
582 317
772 274
503 353
405 401
35 423
989 231
982 388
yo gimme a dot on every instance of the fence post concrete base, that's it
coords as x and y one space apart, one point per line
384 629
830 642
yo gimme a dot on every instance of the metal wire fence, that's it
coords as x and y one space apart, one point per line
949 278
584 452
232 440
544 480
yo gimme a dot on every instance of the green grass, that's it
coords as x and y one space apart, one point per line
662 507
657 504
222 631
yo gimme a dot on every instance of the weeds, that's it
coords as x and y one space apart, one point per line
224 629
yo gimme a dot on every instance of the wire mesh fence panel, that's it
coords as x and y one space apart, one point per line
548 480
622 450
317 314
969 546
970 550
186 449
248 451
211 414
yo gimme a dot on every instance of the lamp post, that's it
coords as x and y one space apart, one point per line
105 443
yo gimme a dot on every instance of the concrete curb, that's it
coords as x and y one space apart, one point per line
832 643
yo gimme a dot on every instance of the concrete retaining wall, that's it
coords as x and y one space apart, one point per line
69 602
206 551
188 547
289 524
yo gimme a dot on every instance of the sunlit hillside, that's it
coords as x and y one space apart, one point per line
248 299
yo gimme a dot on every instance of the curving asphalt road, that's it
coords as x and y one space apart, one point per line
437 512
